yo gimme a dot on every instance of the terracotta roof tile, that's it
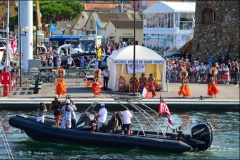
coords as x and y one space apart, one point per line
91 6
105 17
127 24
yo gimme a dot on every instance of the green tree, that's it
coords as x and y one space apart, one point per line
55 10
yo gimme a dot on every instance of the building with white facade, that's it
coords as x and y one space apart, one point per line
168 25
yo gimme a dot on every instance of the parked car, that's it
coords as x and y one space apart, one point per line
174 55
2 46
104 62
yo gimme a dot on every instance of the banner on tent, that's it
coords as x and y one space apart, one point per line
139 68
139 61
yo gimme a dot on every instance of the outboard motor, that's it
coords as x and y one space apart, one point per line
202 135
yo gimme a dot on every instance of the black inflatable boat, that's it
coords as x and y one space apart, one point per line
149 134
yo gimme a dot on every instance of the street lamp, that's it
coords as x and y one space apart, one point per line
25 30
35 30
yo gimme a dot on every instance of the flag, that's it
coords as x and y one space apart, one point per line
164 111
99 53
52 27
98 25
14 45
144 92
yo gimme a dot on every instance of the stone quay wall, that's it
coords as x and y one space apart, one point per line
216 31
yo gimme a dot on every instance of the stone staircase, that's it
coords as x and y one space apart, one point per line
187 47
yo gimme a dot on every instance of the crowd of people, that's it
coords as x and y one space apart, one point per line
199 72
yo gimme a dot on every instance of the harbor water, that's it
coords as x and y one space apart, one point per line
225 143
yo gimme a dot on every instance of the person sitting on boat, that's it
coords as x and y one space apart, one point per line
134 82
66 113
212 83
151 85
127 118
184 89
122 82
56 106
40 112
142 80
101 116
60 83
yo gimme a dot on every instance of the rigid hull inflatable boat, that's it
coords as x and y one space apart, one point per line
149 134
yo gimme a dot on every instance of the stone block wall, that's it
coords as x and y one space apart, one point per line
216 31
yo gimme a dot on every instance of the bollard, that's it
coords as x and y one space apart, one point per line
5 90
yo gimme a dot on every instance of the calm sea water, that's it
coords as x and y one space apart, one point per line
225 143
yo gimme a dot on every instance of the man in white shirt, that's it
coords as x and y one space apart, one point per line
102 116
127 117
69 61
106 76
66 112
58 61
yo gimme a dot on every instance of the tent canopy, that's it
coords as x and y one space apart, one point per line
147 61
171 7
143 55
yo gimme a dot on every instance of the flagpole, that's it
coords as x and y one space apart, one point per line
96 32
7 41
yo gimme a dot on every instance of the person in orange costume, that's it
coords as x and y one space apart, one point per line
60 83
184 89
212 83
151 85
96 83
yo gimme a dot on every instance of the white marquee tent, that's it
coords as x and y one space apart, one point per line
171 7
147 61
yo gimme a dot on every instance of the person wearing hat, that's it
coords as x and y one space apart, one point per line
212 83
132 82
122 83
60 82
101 116
66 112
151 85
142 80
184 89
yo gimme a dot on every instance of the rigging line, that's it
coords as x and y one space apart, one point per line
151 118
156 114
140 110
135 118
6 143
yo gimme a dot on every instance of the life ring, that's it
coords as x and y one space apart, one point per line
183 74
82 74
51 78
44 78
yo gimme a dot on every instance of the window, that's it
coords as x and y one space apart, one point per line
208 16
144 2
91 22
82 17
198 47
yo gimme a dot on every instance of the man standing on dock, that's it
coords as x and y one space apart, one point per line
106 75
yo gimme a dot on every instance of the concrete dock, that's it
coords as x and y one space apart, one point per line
228 99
